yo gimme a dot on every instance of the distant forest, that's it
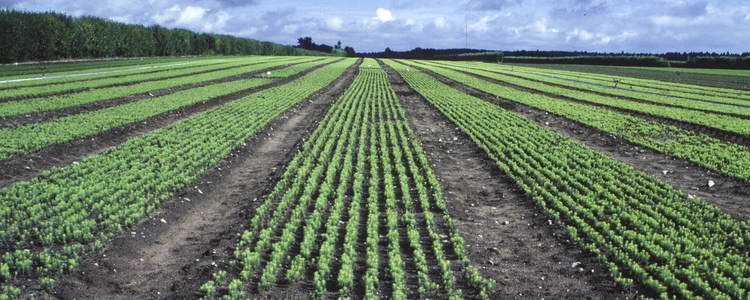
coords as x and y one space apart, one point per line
669 59
28 36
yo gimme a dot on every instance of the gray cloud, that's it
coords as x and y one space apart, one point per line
590 25
487 5
688 10
236 3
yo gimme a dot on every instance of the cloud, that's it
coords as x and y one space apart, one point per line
442 23
689 10
384 15
487 5
335 23
236 3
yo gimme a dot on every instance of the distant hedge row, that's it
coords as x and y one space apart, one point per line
614 60
481 56
719 62
47 36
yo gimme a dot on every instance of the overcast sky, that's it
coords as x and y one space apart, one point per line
653 26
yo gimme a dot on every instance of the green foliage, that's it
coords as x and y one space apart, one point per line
48 36
724 157
719 62
99 197
357 170
643 229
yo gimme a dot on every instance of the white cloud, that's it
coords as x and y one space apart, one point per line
384 15
335 23
590 25
442 23
191 15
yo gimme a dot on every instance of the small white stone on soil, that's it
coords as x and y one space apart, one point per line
163 221
575 264
711 183
665 172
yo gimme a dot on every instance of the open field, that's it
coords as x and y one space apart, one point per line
323 178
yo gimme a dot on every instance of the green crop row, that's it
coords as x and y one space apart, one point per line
369 63
67 86
637 84
709 103
15 108
643 229
723 157
360 158
29 138
721 122
297 68
76 209
12 71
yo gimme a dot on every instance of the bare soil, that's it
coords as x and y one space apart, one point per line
173 252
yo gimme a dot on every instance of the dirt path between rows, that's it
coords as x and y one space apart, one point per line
507 238
171 259
728 194
27 167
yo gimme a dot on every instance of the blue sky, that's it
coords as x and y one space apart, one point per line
653 26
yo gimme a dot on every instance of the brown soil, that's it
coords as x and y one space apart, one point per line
171 259
507 237
27 167
728 194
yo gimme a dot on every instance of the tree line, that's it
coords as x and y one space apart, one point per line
28 36
307 43
613 60
670 59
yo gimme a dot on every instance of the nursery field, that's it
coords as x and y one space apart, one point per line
343 178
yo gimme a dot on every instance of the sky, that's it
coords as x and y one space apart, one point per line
632 26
